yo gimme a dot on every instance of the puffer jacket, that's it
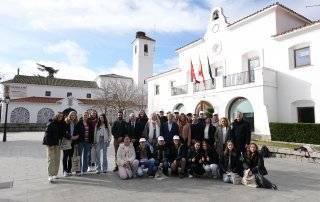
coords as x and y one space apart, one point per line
125 154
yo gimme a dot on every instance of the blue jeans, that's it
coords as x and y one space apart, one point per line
84 151
101 147
147 164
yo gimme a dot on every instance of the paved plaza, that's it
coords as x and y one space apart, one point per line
23 160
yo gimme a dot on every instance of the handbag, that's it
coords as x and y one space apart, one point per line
248 180
75 160
263 182
65 144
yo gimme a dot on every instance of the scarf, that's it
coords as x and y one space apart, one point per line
151 129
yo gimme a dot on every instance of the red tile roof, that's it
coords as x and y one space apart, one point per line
89 101
37 99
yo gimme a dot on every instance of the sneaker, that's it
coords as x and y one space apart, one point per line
190 176
115 169
65 174
181 175
55 177
50 179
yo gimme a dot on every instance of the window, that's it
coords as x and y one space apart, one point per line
69 94
218 71
135 49
253 63
145 49
302 57
305 114
48 93
88 95
172 83
215 15
157 90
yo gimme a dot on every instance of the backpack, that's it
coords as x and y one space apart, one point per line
263 182
265 152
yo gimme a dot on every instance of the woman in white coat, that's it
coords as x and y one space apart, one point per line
126 159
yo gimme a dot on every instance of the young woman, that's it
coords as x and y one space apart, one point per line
126 159
253 160
208 132
54 133
229 164
223 135
195 161
93 120
71 122
144 156
210 160
152 131
184 130
102 139
86 136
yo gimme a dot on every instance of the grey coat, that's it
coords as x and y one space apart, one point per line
220 143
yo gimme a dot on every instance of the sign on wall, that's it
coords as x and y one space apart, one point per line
17 91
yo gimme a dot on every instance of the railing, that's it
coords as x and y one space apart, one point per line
179 90
238 78
206 85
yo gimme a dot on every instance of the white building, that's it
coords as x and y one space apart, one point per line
265 65
35 99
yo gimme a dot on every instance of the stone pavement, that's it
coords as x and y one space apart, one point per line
23 160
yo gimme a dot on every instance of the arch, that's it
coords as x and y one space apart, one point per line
180 107
20 115
67 111
44 115
241 104
202 106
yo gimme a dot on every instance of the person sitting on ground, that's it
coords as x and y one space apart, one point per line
253 160
126 159
210 160
178 157
195 161
161 155
144 156
229 164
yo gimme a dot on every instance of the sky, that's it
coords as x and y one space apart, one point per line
85 38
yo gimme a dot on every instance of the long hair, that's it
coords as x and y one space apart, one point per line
68 118
105 122
56 117
182 121
255 145
226 120
155 116
227 151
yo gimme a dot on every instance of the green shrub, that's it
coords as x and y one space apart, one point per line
295 132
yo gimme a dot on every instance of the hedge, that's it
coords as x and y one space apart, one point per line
295 132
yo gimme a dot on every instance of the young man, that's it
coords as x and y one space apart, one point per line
240 133
178 157
119 130
161 156
145 158
169 129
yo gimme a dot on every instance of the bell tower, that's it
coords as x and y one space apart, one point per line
142 56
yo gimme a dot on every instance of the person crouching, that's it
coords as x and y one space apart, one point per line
210 159
126 159
144 156
195 160
178 157
161 155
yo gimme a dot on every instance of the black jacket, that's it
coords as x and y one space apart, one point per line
213 157
177 153
54 133
138 152
161 153
197 154
211 133
255 163
196 131
140 124
119 128
80 130
234 164
240 134
168 135
133 131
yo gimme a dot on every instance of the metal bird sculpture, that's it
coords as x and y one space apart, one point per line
50 70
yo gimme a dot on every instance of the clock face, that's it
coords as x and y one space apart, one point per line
215 28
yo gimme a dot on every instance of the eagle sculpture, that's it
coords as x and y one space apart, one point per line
51 71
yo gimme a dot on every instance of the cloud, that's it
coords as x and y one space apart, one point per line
118 16
169 63
120 67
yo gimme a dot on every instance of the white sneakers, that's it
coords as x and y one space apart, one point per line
50 179
65 174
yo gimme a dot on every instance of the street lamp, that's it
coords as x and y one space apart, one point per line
6 101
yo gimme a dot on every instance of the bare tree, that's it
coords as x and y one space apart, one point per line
118 95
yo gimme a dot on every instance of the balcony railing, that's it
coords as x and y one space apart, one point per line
238 78
206 85
179 90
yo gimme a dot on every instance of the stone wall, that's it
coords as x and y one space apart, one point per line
19 127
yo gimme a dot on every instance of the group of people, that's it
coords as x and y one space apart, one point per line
185 145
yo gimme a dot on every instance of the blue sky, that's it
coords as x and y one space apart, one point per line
86 38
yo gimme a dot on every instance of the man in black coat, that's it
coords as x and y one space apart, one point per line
169 129
133 130
119 130
162 117
240 133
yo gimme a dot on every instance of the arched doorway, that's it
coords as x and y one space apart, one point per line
44 115
20 115
243 105
67 111
180 107
202 106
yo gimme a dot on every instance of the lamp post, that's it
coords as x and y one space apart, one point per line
6 101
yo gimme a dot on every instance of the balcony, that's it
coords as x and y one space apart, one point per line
179 90
206 85
238 78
